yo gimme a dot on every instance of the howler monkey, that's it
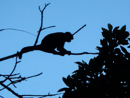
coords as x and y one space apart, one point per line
52 43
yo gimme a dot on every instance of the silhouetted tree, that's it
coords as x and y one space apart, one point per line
107 75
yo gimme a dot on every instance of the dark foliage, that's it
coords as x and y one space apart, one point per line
107 75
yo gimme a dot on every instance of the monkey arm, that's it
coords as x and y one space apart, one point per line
49 50
57 53
63 50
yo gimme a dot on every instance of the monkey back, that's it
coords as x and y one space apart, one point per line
54 40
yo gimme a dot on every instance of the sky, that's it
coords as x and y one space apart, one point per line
66 15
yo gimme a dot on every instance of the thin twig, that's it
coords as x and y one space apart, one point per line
1 96
16 62
10 75
42 95
48 27
82 53
9 80
34 75
4 88
6 85
19 80
40 29
24 78
9 89
79 29
17 30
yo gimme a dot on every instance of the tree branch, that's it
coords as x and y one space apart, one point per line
16 54
48 27
41 95
17 30
34 75
83 53
14 79
10 90
8 57
19 79
1 96
41 26
8 77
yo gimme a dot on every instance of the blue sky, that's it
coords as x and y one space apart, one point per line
66 15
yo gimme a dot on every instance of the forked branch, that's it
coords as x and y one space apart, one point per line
41 26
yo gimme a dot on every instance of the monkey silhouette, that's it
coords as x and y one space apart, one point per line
52 43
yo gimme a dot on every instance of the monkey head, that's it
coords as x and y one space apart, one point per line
68 36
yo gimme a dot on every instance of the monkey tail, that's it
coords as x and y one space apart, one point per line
28 49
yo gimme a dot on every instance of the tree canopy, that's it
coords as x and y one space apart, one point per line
107 75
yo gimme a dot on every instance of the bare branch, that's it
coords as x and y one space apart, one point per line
34 75
17 30
9 80
1 96
10 90
45 6
8 57
48 27
16 62
79 29
41 26
10 75
16 54
42 95
6 85
39 8
19 79
82 53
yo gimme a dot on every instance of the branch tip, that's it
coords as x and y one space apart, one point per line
39 8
